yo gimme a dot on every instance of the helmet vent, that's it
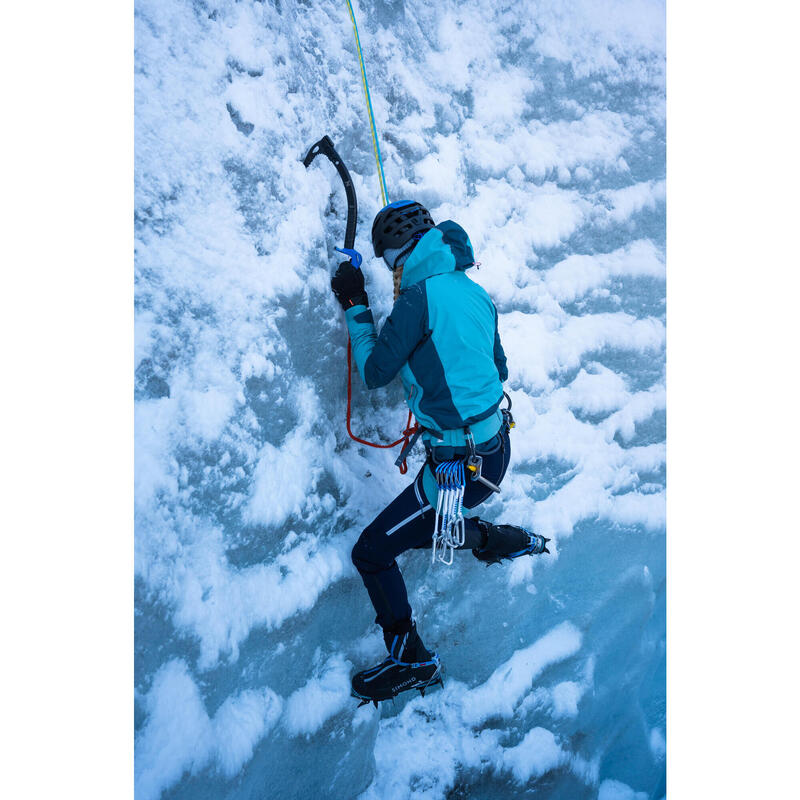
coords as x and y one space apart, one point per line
397 223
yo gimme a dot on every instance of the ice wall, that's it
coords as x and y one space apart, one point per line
539 127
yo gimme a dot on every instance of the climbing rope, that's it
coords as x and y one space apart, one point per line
407 433
375 145
410 429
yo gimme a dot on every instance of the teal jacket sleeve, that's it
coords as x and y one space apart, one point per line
380 357
499 353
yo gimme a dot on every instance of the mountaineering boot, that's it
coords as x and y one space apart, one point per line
507 541
409 666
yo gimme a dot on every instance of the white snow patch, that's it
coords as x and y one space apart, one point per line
535 755
179 736
240 723
616 790
633 508
255 364
504 688
441 171
640 406
552 347
308 708
207 412
497 104
448 726
658 744
565 698
630 200
591 37
223 604
597 391
286 476
577 274
283 479
604 481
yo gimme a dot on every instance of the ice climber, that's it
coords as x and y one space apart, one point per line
442 339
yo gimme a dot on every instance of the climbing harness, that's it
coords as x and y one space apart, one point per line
448 526
326 147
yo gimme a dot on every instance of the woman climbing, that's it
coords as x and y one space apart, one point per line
442 339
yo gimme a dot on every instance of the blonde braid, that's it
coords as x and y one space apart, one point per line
397 277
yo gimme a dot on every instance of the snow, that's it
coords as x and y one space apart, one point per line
502 691
565 699
540 128
616 790
535 755
450 727
576 275
658 744
313 704
180 736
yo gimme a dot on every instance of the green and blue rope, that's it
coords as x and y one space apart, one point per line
375 145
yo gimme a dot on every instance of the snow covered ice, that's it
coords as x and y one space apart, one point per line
539 127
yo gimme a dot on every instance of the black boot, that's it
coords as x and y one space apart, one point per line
410 665
507 541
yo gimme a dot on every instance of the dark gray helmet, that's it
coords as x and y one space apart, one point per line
397 223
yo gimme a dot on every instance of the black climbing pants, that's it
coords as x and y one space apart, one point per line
407 522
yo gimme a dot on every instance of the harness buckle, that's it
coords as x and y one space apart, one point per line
474 465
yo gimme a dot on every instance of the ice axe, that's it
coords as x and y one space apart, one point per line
325 147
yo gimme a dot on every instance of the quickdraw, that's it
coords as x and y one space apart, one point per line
448 527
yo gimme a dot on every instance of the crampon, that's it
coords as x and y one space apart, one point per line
508 542
421 684
409 666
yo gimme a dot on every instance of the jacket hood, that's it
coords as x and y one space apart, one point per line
445 248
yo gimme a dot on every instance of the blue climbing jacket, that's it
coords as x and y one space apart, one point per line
442 339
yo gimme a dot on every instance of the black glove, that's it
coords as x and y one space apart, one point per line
348 286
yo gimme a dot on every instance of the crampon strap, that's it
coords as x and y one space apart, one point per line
434 661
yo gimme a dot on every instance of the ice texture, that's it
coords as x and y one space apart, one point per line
540 128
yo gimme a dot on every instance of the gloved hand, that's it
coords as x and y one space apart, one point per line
348 286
